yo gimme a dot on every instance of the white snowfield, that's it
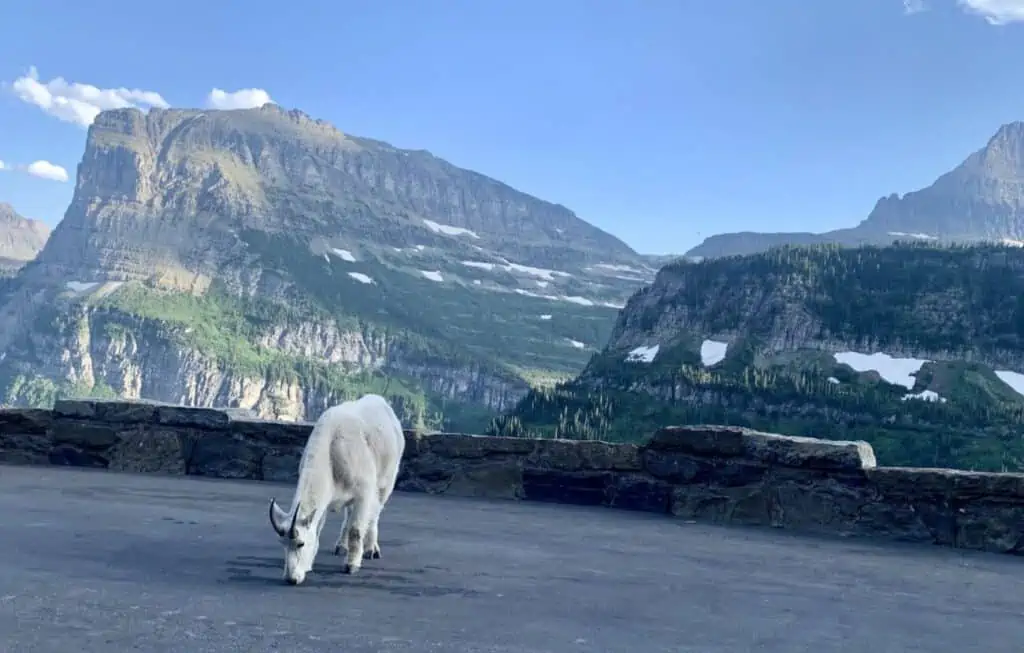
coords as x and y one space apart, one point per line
359 276
542 273
449 230
643 354
925 395
577 344
619 268
1013 379
433 275
81 286
712 352
344 254
902 371
898 371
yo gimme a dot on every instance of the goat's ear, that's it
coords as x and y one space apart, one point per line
278 518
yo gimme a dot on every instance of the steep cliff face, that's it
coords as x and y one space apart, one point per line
20 239
982 199
917 349
274 245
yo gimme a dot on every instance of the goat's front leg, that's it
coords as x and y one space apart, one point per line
341 545
364 509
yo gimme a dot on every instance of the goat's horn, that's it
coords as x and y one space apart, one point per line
295 517
273 520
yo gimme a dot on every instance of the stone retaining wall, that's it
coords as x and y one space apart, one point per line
706 473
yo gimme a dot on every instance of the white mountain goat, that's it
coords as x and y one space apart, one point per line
350 464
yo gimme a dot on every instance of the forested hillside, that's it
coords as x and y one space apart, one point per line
918 349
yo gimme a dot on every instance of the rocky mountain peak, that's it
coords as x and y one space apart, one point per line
980 199
172 188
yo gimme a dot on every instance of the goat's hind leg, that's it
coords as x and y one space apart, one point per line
372 548
360 517
372 543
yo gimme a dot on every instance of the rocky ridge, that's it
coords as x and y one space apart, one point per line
982 199
263 258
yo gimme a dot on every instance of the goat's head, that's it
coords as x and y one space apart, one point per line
298 539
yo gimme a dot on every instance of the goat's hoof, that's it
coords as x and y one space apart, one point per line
349 569
339 549
372 554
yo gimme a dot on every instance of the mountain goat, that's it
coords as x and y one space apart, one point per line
350 464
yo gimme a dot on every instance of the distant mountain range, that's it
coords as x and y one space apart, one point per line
21 239
982 199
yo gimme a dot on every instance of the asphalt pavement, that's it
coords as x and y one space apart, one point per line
94 561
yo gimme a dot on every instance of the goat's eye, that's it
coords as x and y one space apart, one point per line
299 545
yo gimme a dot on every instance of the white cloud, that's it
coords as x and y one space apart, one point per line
80 103
911 7
47 170
996 12
42 169
246 98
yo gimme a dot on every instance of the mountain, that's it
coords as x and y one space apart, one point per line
20 239
982 199
264 259
916 348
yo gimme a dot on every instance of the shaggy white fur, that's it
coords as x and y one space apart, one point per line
350 464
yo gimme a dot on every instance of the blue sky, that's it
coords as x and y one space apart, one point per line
662 121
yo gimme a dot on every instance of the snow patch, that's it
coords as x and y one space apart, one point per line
613 305
432 275
543 273
925 395
482 265
582 301
420 248
643 354
1013 379
619 268
833 380
449 230
476 282
712 352
397 249
576 343
520 291
542 284
898 371
359 276
545 317
81 286
344 254
918 236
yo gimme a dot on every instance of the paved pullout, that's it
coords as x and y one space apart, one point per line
95 561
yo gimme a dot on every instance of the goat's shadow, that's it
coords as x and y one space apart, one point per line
380 575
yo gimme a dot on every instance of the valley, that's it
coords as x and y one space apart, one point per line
263 259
